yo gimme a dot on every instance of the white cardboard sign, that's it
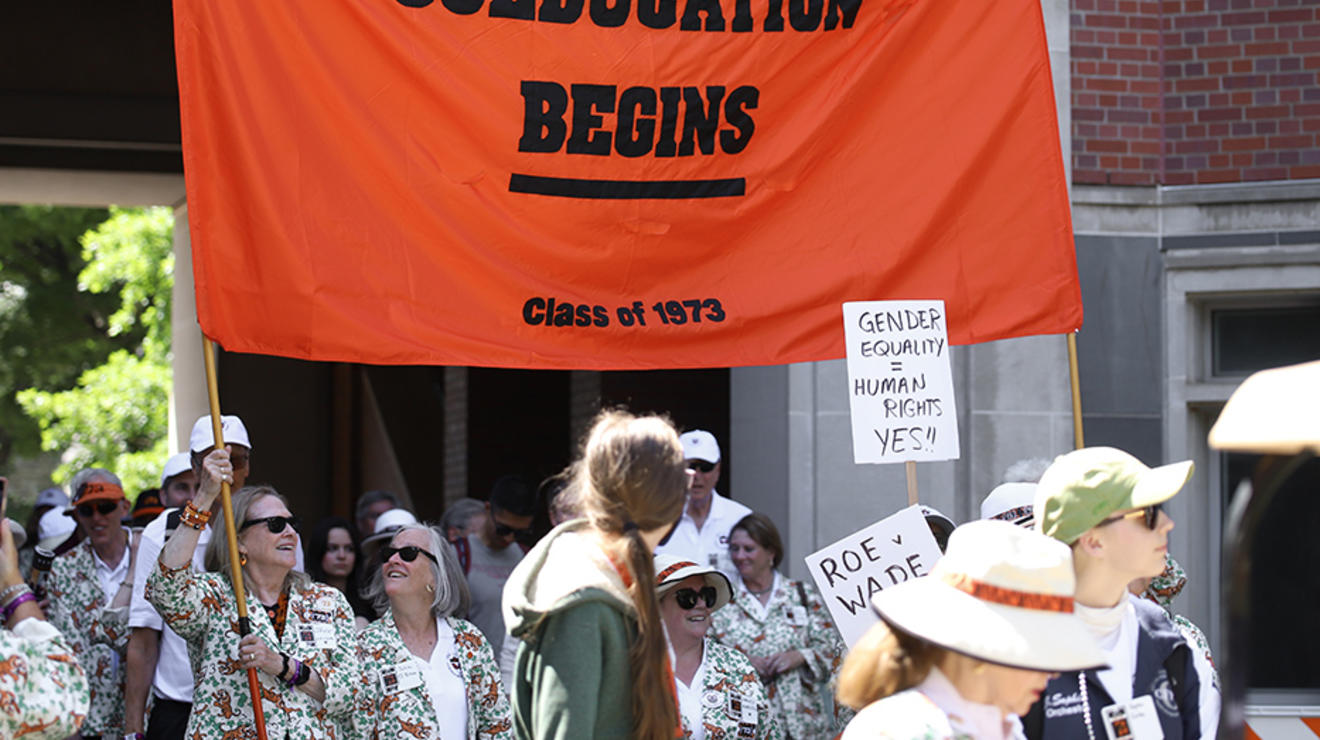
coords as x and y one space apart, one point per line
849 572
900 382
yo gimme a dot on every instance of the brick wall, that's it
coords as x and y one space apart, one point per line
1177 92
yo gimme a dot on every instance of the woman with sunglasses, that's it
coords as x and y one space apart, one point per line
719 695
782 626
1108 506
301 641
583 600
426 673
962 652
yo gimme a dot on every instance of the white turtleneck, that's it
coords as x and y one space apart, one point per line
1115 629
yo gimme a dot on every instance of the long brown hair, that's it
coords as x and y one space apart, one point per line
633 479
884 662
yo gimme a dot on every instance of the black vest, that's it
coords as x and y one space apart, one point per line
1164 670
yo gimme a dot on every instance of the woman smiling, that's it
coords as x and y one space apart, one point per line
719 695
782 626
301 639
426 672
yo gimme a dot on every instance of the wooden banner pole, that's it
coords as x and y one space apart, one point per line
1079 441
231 533
910 468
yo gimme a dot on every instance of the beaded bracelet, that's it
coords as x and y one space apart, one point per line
194 518
12 606
4 595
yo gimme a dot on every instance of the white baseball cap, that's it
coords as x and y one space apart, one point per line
1012 503
387 524
700 444
53 528
231 427
178 463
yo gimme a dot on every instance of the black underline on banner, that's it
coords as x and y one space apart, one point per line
567 187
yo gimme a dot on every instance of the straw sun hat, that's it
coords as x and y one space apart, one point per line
671 571
1002 594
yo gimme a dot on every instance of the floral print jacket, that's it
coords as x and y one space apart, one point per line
318 631
794 618
409 713
43 690
97 633
733 702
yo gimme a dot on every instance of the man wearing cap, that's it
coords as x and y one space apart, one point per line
157 657
702 533
489 556
50 498
371 505
89 588
178 482
1108 506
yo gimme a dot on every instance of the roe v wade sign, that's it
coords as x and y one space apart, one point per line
849 572
899 380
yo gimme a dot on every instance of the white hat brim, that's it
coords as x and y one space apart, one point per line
1017 637
713 577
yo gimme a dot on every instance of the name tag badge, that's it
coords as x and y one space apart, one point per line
1134 720
401 677
734 706
320 617
748 711
317 636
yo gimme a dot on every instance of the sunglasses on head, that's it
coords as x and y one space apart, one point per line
101 507
701 466
1151 515
504 530
409 553
275 524
686 598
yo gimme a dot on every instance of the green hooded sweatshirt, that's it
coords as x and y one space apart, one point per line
569 606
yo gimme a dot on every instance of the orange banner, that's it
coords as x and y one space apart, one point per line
611 184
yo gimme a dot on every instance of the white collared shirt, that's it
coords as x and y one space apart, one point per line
753 601
445 685
710 544
173 678
110 577
689 697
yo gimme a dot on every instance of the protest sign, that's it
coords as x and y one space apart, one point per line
900 381
849 572
616 185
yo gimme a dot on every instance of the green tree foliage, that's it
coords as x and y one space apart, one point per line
50 331
117 414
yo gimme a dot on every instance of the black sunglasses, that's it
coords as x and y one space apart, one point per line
504 530
409 553
1151 515
701 466
275 524
102 507
686 598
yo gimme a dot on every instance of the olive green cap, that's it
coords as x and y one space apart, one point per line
1085 487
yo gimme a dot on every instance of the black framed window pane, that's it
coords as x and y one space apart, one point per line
1285 579
1247 340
